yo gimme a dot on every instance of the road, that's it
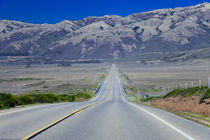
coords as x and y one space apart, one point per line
109 116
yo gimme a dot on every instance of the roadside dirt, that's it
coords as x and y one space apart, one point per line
181 104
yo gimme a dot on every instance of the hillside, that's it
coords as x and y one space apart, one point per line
165 34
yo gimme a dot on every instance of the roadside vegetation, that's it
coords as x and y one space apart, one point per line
57 95
201 94
8 100
97 84
191 103
131 87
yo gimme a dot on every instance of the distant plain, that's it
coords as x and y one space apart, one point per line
152 79
16 79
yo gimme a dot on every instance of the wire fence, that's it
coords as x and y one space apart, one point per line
187 85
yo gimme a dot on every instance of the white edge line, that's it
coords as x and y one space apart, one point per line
165 122
100 91
158 118
120 86
19 110
41 106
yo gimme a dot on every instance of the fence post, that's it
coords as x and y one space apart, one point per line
199 83
208 82
186 85
192 84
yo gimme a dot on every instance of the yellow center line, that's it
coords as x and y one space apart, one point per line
55 122
32 135
79 111
110 94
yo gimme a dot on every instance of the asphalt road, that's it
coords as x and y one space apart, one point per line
109 116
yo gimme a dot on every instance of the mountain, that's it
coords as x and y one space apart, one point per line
164 34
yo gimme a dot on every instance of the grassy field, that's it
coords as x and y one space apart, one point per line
17 79
152 79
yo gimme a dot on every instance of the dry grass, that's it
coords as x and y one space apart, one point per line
162 76
49 77
180 104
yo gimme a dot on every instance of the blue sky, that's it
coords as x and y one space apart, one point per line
53 11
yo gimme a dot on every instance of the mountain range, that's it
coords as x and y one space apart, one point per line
166 34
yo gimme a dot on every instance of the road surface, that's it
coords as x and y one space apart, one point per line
109 116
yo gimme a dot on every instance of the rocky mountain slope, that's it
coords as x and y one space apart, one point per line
159 34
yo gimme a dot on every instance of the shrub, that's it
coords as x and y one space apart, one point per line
7 100
25 99
206 95
147 99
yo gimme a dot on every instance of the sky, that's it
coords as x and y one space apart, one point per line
54 11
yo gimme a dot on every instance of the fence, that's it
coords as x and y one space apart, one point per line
180 86
186 85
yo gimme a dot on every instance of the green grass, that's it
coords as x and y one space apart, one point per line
131 89
8 100
147 99
150 98
200 116
203 93
206 95
136 98
96 83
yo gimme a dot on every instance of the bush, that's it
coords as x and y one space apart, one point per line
147 99
66 98
9 100
25 99
206 95
203 92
